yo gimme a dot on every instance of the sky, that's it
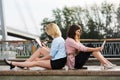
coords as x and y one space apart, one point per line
27 15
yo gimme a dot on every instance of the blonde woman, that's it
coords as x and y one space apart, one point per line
54 58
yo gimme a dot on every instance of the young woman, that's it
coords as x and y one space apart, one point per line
78 54
54 58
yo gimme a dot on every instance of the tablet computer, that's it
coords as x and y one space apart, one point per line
103 43
39 42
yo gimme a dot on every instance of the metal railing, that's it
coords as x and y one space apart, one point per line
16 49
111 47
26 48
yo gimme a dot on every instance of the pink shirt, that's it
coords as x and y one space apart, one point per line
72 47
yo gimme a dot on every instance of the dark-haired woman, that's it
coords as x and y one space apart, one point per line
78 54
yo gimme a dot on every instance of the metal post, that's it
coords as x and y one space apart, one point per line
3 27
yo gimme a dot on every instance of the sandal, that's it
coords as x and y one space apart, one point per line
10 64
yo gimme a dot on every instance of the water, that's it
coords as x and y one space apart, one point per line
8 55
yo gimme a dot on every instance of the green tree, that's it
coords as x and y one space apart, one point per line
64 18
96 22
108 13
117 29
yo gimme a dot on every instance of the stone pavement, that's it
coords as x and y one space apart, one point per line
93 68
37 73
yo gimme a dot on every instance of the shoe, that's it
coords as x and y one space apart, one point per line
10 64
114 65
106 66
84 68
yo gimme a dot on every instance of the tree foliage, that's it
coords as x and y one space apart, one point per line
96 21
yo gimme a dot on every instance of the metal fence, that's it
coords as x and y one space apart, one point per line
111 47
16 49
24 49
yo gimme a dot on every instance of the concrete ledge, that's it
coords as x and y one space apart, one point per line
94 61
59 73
94 74
91 61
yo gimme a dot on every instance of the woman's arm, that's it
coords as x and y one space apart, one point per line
89 49
81 47
77 45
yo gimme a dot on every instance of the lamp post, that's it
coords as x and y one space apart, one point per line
3 27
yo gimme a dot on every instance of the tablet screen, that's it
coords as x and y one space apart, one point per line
38 41
103 43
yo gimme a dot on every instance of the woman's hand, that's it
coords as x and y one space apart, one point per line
100 48
89 49
43 44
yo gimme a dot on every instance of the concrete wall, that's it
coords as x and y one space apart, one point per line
59 78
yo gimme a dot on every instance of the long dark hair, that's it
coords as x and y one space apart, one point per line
71 31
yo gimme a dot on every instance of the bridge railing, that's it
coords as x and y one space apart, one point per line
111 47
16 49
24 49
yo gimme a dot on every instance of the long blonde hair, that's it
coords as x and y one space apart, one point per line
53 30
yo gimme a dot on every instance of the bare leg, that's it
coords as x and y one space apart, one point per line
41 51
105 64
110 63
42 63
100 57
